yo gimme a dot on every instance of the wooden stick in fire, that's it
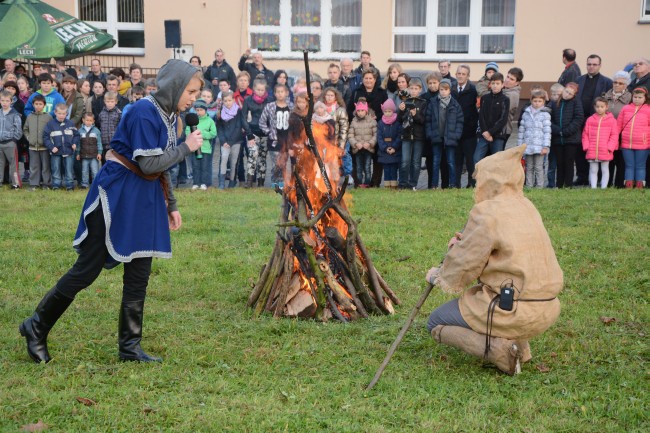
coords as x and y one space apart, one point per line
400 336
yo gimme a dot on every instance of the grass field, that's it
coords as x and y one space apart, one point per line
226 372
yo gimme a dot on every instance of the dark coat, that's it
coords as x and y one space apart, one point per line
249 67
219 72
389 136
566 122
570 74
467 101
453 122
603 84
255 110
414 131
641 82
232 131
493 115
375 98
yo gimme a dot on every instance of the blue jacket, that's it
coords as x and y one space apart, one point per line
61 135
52 99
231 131
453 122
389 136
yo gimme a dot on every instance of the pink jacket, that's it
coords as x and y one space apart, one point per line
600 137
635 129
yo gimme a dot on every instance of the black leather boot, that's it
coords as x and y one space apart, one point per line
130 333
260 182
36 327
249 182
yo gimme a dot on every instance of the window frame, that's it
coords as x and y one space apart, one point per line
431 31
645 17
325 31
112 27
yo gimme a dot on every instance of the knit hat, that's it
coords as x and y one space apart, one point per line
388 105
319 104
200 103
361 106
493 66
446 81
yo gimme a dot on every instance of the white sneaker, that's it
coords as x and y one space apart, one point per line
204 187
195 187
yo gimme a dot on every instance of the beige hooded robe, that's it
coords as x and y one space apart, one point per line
504 241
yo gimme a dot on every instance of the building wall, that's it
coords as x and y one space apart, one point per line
609 28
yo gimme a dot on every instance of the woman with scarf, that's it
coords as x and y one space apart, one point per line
128 213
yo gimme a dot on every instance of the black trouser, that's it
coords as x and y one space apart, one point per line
617 170
89 264
465 152
444 170
565 154
377 171
582 167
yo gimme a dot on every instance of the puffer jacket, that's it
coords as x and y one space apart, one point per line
634 126
34 128
535 130
11 126
566 122
453 122
600 137
363 131
61 135
255 110
341 127
389 136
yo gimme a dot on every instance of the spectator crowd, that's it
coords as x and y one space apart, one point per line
586 129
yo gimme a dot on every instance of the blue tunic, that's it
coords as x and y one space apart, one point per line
134 208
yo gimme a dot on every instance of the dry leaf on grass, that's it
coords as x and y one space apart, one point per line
542 368
148 410
607 320
553 355
39 426
86 401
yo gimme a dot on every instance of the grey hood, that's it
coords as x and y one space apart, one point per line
172 79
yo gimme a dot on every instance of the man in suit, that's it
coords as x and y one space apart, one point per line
465 93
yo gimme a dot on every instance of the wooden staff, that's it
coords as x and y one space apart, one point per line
400 336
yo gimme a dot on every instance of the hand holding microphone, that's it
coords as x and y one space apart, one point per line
194 140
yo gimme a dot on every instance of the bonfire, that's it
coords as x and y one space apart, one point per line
319 267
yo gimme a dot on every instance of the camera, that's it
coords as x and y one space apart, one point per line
409 105
403 93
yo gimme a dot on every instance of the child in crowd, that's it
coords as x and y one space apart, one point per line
150 85
432 81
202 159
90 149
334 81
492 119
300 85
411 116
551 163
39 155
362 136
274 123
634 125
444 127
11 130
566 127
52 97
230 127
94 103
483 84
389 142
224 86
109 117
61 137
281 77
137 93
256 142
243 81
599 141
208 97
535 132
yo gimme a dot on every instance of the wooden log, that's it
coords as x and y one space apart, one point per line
393 297
372 273
275 255
355 296
338 292
331 303
266 290
285 285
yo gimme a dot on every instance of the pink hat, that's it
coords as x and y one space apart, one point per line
361 106
388 105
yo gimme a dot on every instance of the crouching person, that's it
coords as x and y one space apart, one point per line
505 246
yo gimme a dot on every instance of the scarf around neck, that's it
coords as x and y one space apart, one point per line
321 119
389 120
260 99
229 113
445 101
391 85
331 108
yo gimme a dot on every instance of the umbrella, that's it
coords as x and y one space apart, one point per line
34 30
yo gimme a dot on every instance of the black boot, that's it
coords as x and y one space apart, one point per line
260 182
249 182
36 327
130 333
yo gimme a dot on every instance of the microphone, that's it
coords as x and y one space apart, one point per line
192 120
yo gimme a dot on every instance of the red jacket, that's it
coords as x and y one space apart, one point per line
635 128
600 137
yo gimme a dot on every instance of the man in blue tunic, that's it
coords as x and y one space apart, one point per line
128 213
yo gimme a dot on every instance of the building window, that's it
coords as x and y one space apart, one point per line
123 19
645 11
454 29
284 28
